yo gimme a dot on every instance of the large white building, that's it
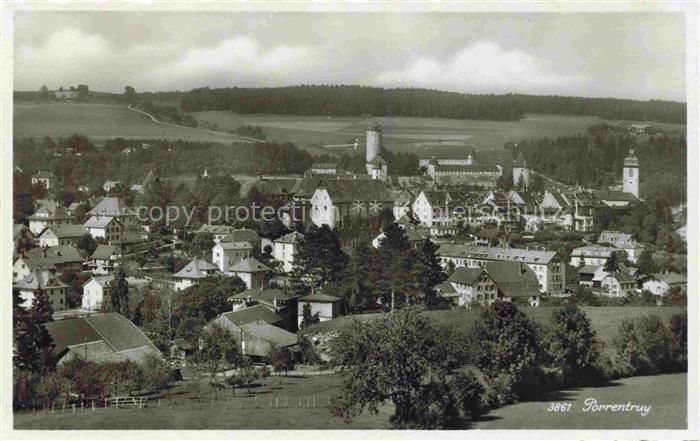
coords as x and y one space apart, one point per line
336 199
226 254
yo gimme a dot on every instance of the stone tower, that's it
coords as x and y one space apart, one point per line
520 168
374 141
630 174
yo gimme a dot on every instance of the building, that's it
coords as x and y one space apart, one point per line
282 303
545 264
62 94
630 174
615 284
471 285
106 227
586 274
403 202
243 235
56 235
336 199
57 260
376 165
47 179
99 338
591 255
638 129
108 186
254 330
253 272
226 254
521 172
46 281
622 241
434 209
104 260
324 168
322 306
218 232
515 281
95 291
285 249
415 238
115 207
48 214
661 284
193 273
616 198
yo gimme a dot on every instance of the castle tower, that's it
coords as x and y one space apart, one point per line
374 140
471 157
520 169
630 174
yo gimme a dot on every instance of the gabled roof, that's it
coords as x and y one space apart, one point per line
104 252
615 195
111 206
252 314
196 269
270 333
670 278
320 298
377 160
99 221
588 269
513 279
293 237
65 231
324 165
446 288
50 211
249 265
57 255
437 197
465 276
39 279
242 235
103 281
617 239
353 190
622 277
234 245
520 161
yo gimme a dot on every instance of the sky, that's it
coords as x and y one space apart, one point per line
624 55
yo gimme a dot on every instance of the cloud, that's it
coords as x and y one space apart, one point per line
481 67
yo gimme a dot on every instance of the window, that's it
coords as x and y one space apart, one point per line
631 173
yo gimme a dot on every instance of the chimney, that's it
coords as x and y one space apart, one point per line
522 268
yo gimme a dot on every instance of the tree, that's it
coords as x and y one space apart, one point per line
319 260
646 262
120 294
82 92
642 346
430 270
87 245
573 347
202 242
217 350
470 394
129 94
394 358
506 349
44 94
398 281
282 359
33 344
52 386
358 278
679 340
612 263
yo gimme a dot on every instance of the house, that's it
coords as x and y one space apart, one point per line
108 186
46 281
47 179
115 207
403 202
415 238
62 94
661 284
253 272
282 303
56 235
616 284
95 291
572 210
595 255
546 265
105 259
616 198
471 285
99 338
218 232
432 206
22 237
586 274
226 254
193 273
73 208
323 306
106 227
48 214
515 280
622 241
285 249
254 330
336 199
243 235
324 168
55 259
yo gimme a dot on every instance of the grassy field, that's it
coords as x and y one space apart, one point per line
604 320
98 122
665 393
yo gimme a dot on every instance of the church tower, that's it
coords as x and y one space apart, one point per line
630 174
520 169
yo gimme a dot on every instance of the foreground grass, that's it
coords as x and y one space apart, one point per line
666 394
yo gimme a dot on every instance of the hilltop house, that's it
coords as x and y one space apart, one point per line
285 248
56 235
43 280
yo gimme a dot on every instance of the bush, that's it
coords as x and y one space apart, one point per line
643 346
679 341
470 394
52 386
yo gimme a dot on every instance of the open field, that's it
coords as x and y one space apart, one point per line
665 393
98 122
604 320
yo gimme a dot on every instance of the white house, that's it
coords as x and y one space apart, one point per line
661 284
107 227
591 255
323 306
472 285
56 235
617 284
253 272
48 214
324 168
44 280
226 254
44 178
622 241
104 259
286 248
193 273
335 199
95 291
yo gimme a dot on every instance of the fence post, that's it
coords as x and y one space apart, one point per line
300 401
53 403
64 406
93 405
158 403
73 408
314 400
82 408
256 401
